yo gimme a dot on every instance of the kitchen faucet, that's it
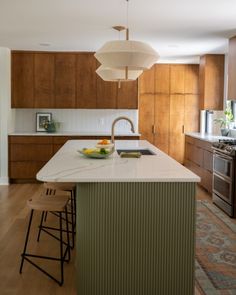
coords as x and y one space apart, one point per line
113 126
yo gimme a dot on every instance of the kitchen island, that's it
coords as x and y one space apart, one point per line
135 220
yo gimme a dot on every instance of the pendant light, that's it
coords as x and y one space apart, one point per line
124 60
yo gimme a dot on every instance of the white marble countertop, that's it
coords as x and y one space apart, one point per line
89 133
207 137
67 165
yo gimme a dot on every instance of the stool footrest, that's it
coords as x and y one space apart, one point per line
44 271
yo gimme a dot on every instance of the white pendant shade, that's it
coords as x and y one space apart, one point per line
135 55
111 74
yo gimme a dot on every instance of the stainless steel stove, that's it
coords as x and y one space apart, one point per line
226 146
224 184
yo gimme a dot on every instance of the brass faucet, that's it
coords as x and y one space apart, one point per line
113 126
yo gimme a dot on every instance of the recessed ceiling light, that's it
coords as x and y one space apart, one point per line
44 44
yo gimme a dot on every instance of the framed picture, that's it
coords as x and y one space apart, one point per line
41 119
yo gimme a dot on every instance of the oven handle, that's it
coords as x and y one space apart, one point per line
218 155
225 178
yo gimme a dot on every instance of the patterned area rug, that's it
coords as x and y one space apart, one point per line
215 251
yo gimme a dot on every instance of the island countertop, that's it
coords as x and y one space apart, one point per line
67 165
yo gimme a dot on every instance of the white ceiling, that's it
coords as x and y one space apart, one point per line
177 29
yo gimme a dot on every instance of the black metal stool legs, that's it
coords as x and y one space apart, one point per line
63 253
26 241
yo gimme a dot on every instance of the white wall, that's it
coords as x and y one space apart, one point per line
6 114
74 120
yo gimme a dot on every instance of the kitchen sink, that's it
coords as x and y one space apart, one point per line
145 152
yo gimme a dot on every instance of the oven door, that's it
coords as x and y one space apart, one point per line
223 177
223 165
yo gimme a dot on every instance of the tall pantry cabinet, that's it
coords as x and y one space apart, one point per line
169 106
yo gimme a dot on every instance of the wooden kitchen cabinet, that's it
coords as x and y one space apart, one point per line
232 69
162 122
211 81
127 95
176 130
199 159
44 76
191 113
147 81
191 79
155 80
106 94
28 154
65 80
147 116
164 117
22 80
162 79
86 78
177 76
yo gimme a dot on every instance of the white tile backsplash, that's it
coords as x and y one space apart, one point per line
77 120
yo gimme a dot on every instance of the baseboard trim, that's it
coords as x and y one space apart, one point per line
4 181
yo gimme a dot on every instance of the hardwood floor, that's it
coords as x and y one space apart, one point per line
14 216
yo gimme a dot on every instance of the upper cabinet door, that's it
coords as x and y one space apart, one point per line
86 81
162 78
127 95
44 70
106 94
191 79
177 74
211 82
22 77
146 81
232 69
65 80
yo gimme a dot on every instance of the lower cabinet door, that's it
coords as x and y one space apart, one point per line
25 170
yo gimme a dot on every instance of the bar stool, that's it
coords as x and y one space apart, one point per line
52 188
56 204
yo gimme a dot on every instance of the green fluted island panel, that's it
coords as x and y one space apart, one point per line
135 238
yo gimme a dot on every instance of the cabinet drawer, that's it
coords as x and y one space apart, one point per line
25 170
31 139
195 169
30 152
208 160
194 153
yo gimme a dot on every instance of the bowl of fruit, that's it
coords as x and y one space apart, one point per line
105 143
96 153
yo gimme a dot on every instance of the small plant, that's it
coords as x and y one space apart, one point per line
225 121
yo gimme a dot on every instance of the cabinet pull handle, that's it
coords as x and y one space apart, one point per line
153 129
183 129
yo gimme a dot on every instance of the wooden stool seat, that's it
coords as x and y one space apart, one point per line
44 203
63 186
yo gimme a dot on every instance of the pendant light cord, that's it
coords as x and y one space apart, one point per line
127 20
